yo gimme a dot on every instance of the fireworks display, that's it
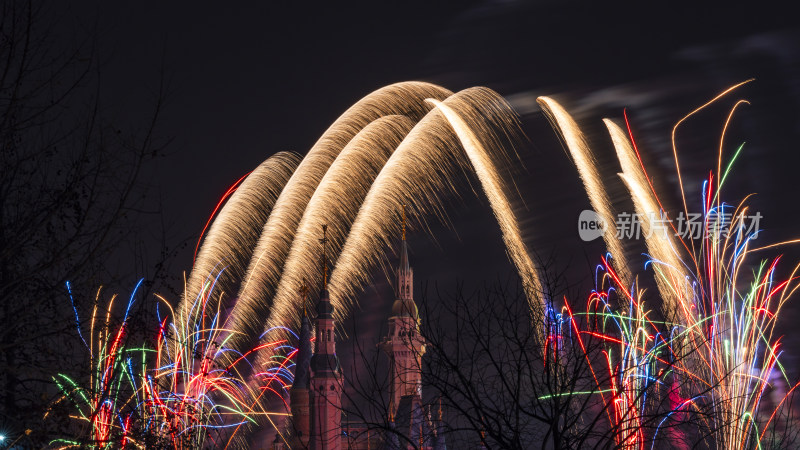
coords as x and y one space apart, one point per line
407 143
706 347
586 164
277 237
714 353
433 225
176 393
99 403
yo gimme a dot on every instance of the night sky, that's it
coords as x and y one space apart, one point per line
243 82
246 82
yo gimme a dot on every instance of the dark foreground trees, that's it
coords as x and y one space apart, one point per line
483 368
70 191
605 379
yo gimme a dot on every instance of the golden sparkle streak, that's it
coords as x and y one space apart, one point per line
235 231
585 162
677 293
404 144
267 262
492 185
336 202
420 173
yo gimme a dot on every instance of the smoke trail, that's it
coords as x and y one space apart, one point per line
234 233
586 164
674 284
278 233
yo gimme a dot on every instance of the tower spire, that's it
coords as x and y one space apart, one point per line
299 392
304 296
324 242
405 267
404 221
326 380
403 343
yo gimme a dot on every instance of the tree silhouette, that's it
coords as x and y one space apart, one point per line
70 193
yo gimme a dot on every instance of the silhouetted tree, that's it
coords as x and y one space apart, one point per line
498 387
70 193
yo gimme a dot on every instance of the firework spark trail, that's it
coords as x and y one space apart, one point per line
100 404
684 119
200 392
633 368
727 331
235 231
177 394
736 326
492 186
734 334
205 376
722 346
335 203
672 277
273 247
420 173
419 170
585 161
674 286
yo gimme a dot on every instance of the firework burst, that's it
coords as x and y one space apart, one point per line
715 352
176 393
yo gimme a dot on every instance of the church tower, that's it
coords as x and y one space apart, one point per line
326 375
299 393
403 344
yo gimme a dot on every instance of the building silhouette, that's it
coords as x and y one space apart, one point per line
316 395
